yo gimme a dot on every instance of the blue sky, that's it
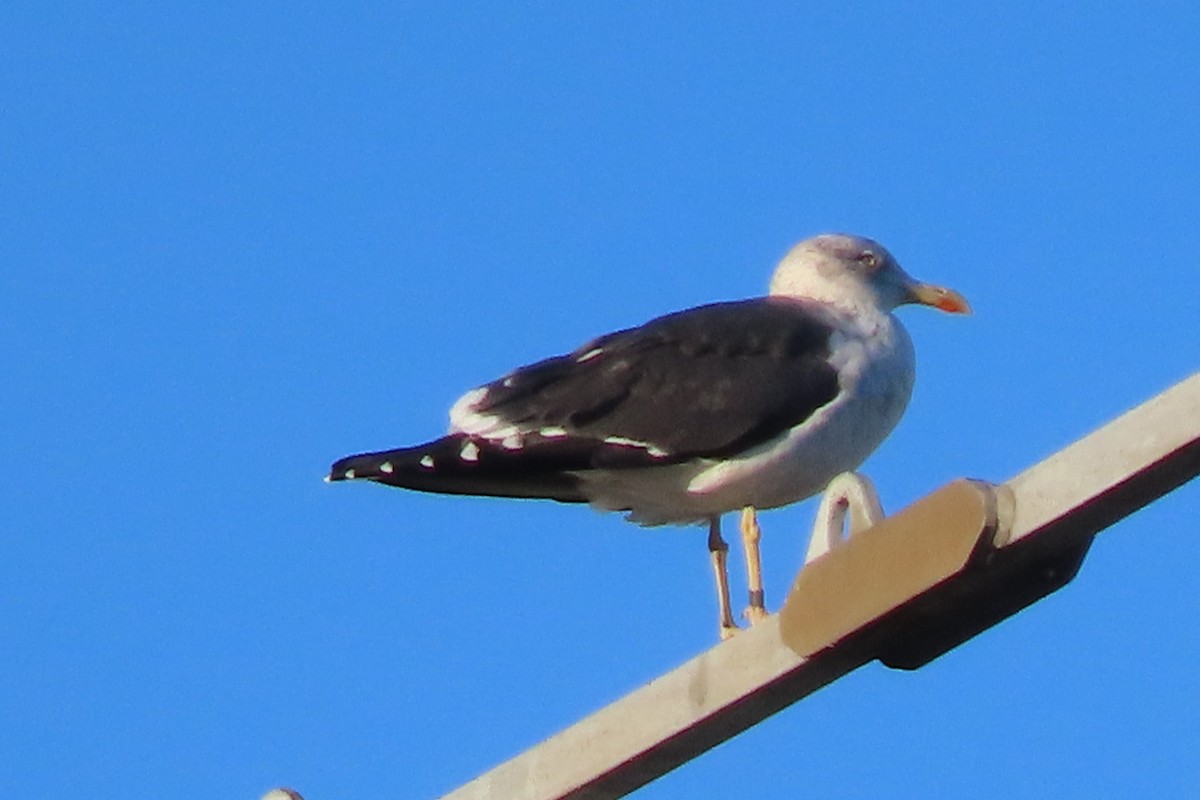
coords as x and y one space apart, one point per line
239 241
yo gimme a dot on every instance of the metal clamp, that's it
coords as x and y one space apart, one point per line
910 587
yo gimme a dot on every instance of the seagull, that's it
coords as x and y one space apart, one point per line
733 406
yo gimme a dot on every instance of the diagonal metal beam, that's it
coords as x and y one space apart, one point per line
935 574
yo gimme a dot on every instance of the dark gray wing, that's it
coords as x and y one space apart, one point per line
709 382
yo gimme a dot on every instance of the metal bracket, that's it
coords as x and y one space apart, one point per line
848 492
912 586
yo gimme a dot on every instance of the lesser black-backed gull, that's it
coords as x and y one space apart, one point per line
738 405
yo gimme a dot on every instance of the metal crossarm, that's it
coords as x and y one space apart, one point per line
904 591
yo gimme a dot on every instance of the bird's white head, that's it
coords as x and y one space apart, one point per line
854 273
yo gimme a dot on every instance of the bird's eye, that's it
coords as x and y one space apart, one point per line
869 259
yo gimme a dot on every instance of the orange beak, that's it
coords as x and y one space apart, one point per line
939 297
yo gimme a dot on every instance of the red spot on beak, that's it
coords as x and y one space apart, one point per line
954 304
941 298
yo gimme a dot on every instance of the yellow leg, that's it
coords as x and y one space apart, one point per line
751 535
718 552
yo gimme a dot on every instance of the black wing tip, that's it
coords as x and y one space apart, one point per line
464 465
364 465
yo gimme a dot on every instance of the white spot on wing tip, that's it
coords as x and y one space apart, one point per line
427 462
351 474
552 432
513 442
469 452
387 467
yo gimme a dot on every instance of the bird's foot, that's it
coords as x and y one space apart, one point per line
756 612
751 535
755 615
718 552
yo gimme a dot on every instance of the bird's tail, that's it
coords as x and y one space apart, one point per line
461 464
